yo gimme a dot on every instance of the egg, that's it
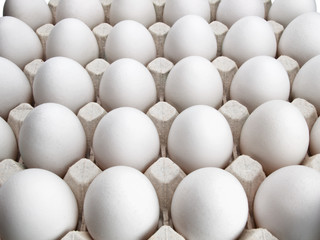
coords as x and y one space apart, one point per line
19 43
90 12
249 37
64 81
8 143
306 83
191 35
14 87
25 10
209 203
199 137
127 83
315 138
175 9
287 203
192 81
230 11
284 11
130 39
36 204
258 80
52 138
126 136
121 203
141 11
73 39
300 38
276 135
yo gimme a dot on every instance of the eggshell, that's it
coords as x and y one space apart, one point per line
121 203
19 43
284 11
199 137
287 203
64 81
209 203
127 83
230 11
191 35
73 39
36 204
141 11
300 38
130 39
52 137
276 135
306 84
90 12
126 136
315 138
249 37
8 143
258 80
175 9
14 87
192 81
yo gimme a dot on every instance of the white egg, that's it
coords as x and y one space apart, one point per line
175 9
230 11
14 87
127 83
259 80
306 84
199 137
8 143
300 38
287 203
141 11
126 136
64 81
36 204
121 203
276 135
209 203
19 43
52 137
26 10
73 39
284 11
192 81
130 39
191 35
315 138
249 37
90 12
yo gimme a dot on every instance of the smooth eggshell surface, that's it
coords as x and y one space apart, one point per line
315 138
126 136
64 81
276 135
127 83
19 43
249 37
209 203
36 204
52 138
300 38
199 137
287 203
121 203
191 35
14 87
192 81
8 143
259 80
73 39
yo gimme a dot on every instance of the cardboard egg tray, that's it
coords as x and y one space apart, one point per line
164 174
